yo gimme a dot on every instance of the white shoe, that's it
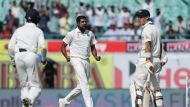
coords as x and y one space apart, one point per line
62 102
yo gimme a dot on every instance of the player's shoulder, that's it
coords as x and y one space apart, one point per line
71 32
149 27
90 32
19 29
152 25
38 30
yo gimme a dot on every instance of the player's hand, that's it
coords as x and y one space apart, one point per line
150 67
44 62
13 62
98 58
163 63
68 59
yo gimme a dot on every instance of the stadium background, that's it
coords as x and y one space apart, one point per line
118 44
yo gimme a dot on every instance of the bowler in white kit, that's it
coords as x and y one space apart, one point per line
81 43
22 49
151 58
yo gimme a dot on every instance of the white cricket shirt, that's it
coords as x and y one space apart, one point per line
80 43
28 37
150 33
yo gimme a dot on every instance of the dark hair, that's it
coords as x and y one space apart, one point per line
142 13
32 15
180 17
80 17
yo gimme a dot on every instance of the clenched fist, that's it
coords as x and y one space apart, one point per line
98 58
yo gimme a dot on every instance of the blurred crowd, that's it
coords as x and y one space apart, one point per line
112 22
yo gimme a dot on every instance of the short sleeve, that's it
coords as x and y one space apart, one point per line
41 40
147 35
12 44
93 39
68 38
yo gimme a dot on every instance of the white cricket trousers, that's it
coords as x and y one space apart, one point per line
142 75
81 67
27 69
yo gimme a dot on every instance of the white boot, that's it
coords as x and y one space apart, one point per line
63 102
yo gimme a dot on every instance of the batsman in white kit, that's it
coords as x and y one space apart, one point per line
151 58
81 43
22 49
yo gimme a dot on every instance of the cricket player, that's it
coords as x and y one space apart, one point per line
22 49
81 42
151 58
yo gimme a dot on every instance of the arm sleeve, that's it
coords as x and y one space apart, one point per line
93 40
41 40
147 35
11 45
68 38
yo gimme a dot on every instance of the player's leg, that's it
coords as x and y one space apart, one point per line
136 94
155 92
81 72
75 92
137 84
26 102
34 93
70 97
146 98
157 98
22 75
31 63
148 93
87 72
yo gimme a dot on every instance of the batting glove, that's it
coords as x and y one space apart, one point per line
13 62
150 67
44 62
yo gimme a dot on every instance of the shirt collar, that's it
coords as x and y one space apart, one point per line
30 24
78 31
